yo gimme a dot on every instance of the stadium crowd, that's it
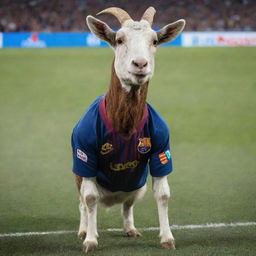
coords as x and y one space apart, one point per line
69 15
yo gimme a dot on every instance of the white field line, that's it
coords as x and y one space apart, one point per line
173 227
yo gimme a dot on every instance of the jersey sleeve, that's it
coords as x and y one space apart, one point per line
160 161
84 153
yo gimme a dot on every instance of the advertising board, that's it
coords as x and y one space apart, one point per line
86 39
58 39
1 40
194 39
43 40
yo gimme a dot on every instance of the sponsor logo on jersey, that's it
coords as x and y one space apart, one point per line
124 166
81 155
106 148
144 145
164 157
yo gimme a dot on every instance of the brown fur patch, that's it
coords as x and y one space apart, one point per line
78 180
90 200
165 199
124 109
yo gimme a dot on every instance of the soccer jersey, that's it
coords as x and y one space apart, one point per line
117 163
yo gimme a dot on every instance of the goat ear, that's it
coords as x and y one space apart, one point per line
170 31
101 30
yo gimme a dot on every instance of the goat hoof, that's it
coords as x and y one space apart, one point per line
81 235
169 244
133 233
90 246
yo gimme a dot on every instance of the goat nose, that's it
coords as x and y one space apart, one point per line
140 63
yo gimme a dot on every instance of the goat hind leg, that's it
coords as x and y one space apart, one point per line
128 219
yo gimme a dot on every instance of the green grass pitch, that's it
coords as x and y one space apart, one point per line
206 95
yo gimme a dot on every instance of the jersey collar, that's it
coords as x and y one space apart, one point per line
103 114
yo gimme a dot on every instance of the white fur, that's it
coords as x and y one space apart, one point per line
89 199
97 194
162 193
137 43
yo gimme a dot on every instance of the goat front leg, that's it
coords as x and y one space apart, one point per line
162 194
90 197
83 220
127 212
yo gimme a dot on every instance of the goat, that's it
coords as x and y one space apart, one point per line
120 134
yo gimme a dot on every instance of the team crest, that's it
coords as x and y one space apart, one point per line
106 148
144 145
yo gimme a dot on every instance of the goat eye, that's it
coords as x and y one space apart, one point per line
155 42
119 41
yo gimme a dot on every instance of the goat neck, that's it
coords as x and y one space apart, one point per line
125 109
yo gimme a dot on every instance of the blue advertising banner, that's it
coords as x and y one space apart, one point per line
58 39
43 40
1 40
86 39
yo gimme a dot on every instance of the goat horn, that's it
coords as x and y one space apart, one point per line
119 13
149 15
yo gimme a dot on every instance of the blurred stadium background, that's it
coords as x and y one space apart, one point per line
205 94
53 17
69 15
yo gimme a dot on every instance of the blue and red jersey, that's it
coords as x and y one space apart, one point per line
117 163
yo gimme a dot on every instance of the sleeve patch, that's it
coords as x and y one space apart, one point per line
164 157
81 155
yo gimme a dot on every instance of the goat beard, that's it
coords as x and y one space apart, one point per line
125 109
